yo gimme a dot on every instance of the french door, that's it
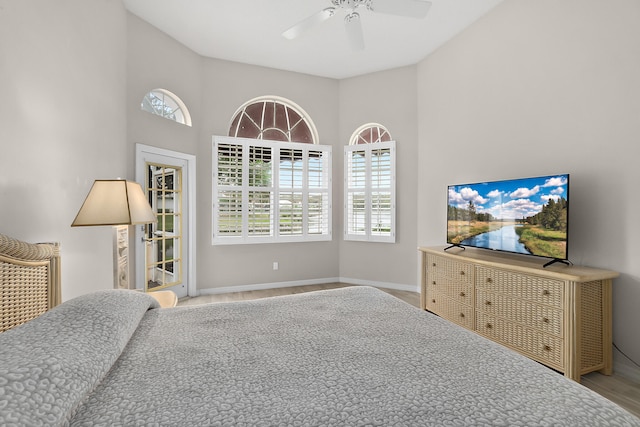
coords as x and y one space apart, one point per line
165 250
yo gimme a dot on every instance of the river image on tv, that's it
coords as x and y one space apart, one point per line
525 216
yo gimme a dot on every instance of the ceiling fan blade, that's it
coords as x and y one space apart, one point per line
308 23
354 31
409 8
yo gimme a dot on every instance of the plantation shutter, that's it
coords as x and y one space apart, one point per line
270 191
370 192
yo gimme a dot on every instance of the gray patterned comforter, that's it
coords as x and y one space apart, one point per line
347 357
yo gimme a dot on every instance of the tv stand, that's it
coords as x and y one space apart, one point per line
455 245
553 261
560 317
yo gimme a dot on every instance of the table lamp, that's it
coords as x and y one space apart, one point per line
119 203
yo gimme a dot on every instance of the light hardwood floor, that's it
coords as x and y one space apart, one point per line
623 391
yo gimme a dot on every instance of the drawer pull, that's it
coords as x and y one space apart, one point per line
462 315
489 280
433 283
433 264
546 348
433 301
546 292
462 294
489 326
545 320
487 302
462 273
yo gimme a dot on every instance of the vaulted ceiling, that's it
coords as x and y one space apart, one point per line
250 31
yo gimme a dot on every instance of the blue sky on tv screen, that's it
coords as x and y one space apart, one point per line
510 199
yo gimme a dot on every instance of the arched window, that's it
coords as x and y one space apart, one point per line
275 119
166 104
370 185
369 134
272 180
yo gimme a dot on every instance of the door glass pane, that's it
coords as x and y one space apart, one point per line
164 239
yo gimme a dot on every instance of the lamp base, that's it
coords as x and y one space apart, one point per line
121 257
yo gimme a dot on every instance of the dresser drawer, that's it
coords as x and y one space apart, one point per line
441 268
539 290
460 292
540 317
542 347
451 310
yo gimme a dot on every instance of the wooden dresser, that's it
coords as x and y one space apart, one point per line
559 316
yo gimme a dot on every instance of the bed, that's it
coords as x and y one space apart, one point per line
345 357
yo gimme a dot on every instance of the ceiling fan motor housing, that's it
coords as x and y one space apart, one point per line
351 4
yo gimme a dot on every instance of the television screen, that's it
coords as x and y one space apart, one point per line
526 216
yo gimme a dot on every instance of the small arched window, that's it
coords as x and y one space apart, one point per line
163 103
370 185
370 134
275 119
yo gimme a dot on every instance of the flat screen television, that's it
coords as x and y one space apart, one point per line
525 216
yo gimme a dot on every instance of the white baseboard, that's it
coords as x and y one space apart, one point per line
264 286
276 285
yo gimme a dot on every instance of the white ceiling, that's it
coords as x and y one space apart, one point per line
249 31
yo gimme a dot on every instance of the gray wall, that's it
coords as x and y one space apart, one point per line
62 125
226 86
155 60
213 90
538 88
388 98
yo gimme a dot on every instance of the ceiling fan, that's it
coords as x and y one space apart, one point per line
408 8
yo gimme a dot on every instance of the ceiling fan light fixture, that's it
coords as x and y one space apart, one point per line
352 16
350 4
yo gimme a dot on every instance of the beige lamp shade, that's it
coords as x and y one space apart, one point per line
115 202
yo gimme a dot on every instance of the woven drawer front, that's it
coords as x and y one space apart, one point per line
461 292
539 290
541 317
440 268
535 344
451 310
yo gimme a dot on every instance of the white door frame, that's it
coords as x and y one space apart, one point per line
189 176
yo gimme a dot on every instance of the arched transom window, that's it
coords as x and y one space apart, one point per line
275 119
370 134
370 185
163 103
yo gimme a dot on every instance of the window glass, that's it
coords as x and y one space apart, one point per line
163 103
275 119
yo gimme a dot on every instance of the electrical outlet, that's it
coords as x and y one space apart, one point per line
275 265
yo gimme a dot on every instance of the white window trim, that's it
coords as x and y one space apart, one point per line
275 237
367 235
